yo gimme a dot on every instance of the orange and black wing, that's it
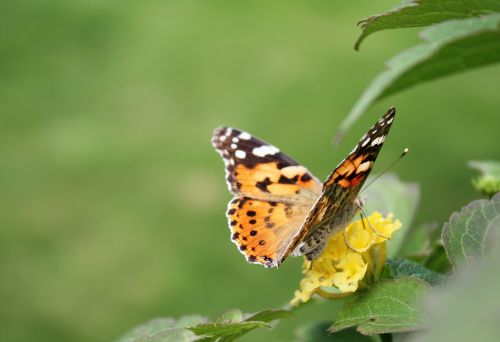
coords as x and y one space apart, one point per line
336 205
260 170
273 194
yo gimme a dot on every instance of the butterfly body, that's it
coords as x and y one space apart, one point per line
279 207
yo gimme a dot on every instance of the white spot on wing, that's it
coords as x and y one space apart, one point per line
390 120
233 146
240 154
265 150
245 136
367 140
222 138
378 141
363 167
235 140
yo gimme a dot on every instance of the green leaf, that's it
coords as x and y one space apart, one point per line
474 232
388 194
229 326
230 316
489 180
415 13
216 330
270 315
318 332
391 306
437 260
403 267
419 239
467 309
451 47
164 329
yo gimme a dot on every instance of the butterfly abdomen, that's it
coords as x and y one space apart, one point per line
329 225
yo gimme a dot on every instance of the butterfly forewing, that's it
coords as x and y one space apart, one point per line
257 169
336 205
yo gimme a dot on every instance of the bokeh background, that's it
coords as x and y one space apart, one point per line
112 199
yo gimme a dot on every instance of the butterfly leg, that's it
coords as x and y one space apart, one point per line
348 244
363 215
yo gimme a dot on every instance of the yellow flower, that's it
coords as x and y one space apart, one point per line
343 267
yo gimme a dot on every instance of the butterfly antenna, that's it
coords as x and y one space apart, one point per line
346 239
404 153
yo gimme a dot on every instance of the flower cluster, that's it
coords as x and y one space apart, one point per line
350 260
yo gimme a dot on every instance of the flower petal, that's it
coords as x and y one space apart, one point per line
344 265
351 269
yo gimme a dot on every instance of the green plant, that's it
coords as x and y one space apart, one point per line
462 35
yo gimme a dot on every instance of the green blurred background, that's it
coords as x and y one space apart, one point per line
112 199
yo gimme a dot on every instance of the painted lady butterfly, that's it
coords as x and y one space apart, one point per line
279 207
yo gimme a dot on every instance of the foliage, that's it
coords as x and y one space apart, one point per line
390 194
489 180
229 326
164 329
465 309
318 332
404 267
391 306
416 13
420 240
451 46
473 232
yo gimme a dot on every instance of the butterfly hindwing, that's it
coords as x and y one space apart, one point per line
263 229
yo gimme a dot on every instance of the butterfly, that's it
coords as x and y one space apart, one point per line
279 207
